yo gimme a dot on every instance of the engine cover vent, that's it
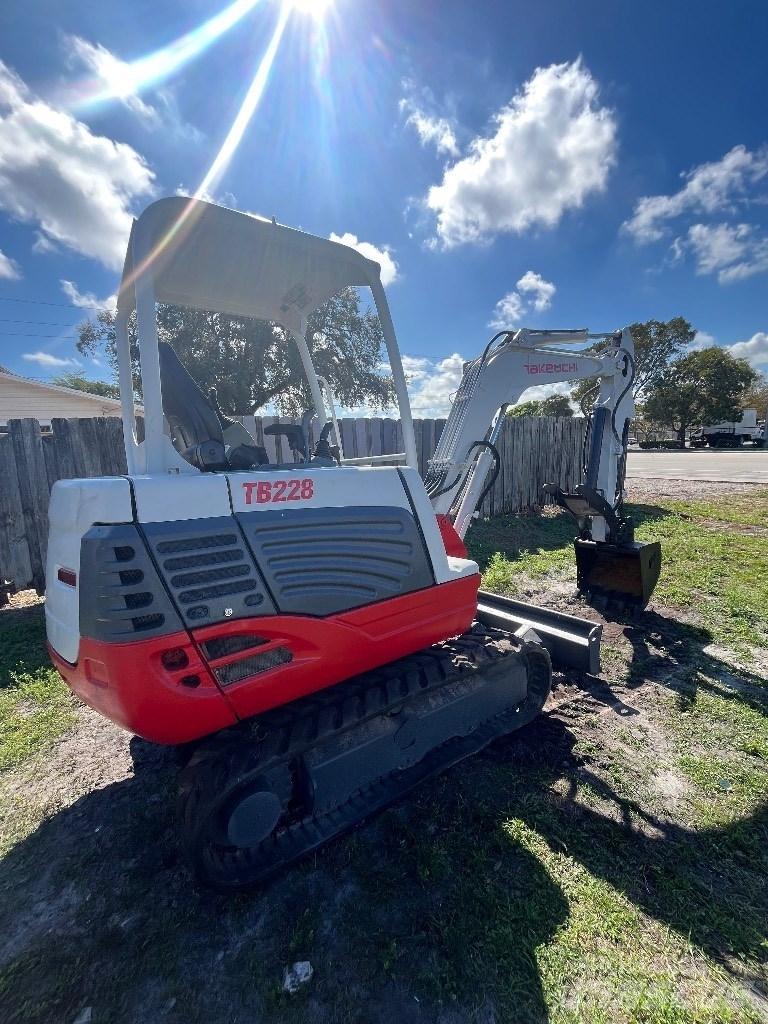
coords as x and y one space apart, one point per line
208 569
121 596
320 561
252 665
221 646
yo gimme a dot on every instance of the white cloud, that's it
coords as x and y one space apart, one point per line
48 361
716 246
382 255
732 251
115 75
702 340
86 300
553 145
431 385
123 81
415 367
42 244
432 130
709 188
507 311
539 392
437 382
755 351
9 269
541 291
532 293
77 187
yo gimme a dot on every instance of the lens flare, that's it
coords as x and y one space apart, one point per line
316 8
124 79
247 109
221 161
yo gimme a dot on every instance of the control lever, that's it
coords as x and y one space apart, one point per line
295 436
324 450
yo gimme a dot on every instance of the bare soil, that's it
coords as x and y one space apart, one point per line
99 913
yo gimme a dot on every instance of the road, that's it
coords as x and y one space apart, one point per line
748 466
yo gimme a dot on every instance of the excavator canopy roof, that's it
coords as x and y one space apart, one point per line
208 257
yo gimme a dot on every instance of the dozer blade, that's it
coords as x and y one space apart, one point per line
621 574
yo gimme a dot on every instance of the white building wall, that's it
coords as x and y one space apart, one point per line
21 398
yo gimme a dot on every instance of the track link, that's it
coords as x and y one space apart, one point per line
274 753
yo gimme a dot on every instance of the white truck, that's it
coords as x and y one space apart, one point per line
731 434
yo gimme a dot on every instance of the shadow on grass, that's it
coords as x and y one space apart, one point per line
435 901
435 904
96 909
675 654
705 884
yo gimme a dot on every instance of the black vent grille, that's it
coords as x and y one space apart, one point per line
252 665
221 646
121 596
324 560
208 570
218 580
144 622
220 540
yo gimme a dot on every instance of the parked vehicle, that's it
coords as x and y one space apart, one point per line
731 434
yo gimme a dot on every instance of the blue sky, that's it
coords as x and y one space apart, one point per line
549 164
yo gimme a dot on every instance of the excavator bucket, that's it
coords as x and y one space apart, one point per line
623 574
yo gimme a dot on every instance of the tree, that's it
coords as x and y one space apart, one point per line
756 396
80 383
702 387
657 342
554 405
253 362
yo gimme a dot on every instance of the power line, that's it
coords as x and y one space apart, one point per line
42 302
37 323
35 334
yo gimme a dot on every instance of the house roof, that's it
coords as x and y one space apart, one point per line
44 386
99 399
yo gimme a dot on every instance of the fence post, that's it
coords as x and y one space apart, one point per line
33 491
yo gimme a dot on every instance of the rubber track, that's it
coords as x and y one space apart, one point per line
277 738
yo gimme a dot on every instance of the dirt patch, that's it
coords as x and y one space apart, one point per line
685 490
745 529
97 909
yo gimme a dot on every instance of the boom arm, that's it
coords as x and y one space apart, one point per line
511 363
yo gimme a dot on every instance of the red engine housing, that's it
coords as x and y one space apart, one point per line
177 688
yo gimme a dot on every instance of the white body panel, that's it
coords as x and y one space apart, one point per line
445 568
168 499
75 506
332 487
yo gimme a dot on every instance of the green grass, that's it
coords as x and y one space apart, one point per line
35 705
594 868
719 576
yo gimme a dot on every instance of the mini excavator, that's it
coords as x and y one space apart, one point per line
311 633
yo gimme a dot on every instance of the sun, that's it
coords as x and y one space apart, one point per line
316 8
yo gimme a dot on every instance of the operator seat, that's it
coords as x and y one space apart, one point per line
196 429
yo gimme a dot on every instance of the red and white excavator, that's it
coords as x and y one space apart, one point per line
312 630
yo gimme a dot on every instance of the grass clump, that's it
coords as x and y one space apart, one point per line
35 704
713 567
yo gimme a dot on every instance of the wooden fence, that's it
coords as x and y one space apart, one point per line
534 451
